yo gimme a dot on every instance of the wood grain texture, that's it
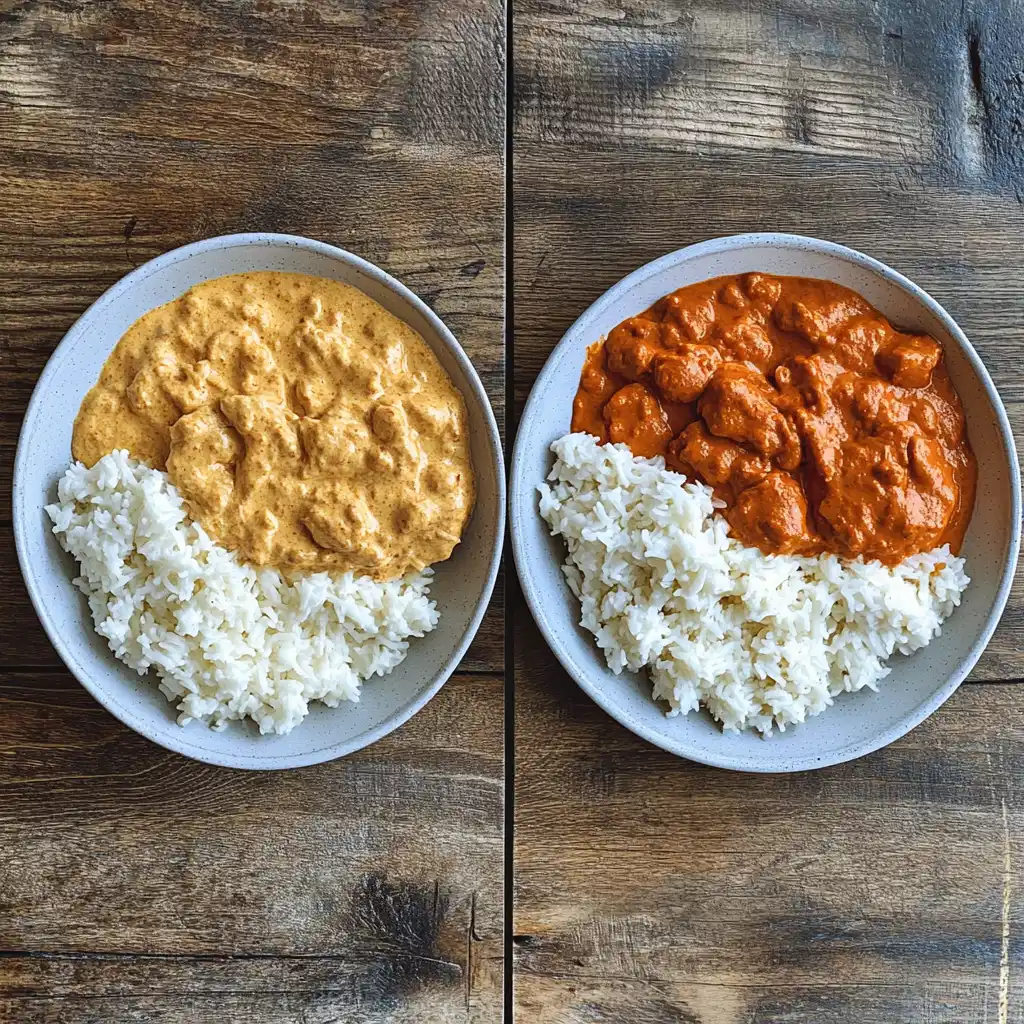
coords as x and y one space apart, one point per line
367 889
649 890
135 885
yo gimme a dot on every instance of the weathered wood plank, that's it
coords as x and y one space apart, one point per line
137 886
395 985
932 86
700 77
649 889
645 881
381 871
557 999
258 75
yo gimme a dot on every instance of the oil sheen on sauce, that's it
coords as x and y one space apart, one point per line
306 427
821 426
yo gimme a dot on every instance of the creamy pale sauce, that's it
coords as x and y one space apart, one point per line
306 427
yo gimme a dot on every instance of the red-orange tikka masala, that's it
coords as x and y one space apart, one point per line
821 426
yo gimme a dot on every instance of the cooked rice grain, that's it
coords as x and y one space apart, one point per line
759 640
228 640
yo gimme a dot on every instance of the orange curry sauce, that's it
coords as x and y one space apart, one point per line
821 426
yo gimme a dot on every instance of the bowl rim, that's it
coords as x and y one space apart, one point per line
521 504
259 239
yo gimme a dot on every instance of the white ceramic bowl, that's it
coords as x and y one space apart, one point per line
857 723
462 585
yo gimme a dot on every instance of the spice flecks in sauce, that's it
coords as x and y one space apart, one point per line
820 425
306 427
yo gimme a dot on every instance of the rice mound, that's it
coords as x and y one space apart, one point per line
228 640
759 640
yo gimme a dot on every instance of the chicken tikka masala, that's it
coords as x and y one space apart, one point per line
820 426
306 426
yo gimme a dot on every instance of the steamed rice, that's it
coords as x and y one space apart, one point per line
759 640
227 640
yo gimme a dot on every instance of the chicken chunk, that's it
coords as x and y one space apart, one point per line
635 417
716 461
681 376
631 347
772 515
910 362
738 403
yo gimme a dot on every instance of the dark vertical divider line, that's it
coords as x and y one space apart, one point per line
510 573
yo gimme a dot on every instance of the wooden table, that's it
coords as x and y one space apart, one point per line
136 885
649 890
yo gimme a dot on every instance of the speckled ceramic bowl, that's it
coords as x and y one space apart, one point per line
462 585
857 723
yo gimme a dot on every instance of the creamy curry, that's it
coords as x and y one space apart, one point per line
820 425
306 427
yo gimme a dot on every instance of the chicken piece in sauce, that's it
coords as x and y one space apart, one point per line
635 418
820 426
306 427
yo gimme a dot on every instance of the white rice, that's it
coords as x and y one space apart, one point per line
227 640
759 640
